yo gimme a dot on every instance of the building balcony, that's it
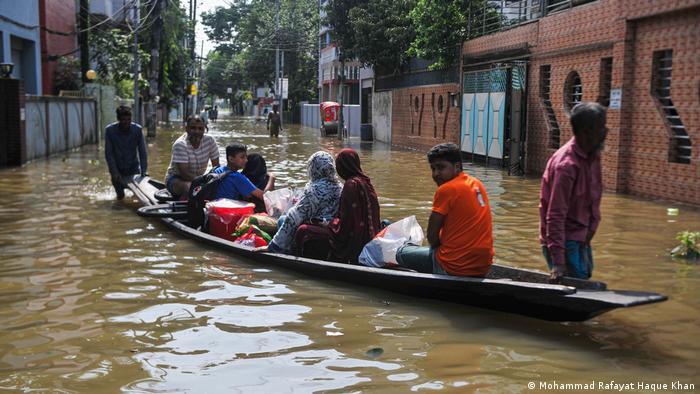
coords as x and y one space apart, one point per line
500 15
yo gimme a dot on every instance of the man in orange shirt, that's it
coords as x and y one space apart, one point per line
459 228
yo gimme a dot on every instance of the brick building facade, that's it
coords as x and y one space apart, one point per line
58 39
643 54
424 116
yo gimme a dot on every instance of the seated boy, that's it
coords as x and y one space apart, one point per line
236 186
459 228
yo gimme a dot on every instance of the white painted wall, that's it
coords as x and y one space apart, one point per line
381 116
311 117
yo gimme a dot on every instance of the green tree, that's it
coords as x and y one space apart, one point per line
175 61
221 24
338 19
443 25
66 76
247 36
383 33
111 52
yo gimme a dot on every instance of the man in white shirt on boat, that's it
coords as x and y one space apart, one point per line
192 152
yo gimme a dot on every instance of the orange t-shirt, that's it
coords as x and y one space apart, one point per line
466 240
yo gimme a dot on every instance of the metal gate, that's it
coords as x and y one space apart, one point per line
492 108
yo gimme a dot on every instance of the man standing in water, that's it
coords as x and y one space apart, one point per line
570 196
123 140
274 120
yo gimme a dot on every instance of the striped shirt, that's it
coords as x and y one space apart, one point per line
196 159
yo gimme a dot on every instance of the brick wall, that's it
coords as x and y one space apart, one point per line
424 125
515 37
57 16
587 65
650 172
636 155
633 9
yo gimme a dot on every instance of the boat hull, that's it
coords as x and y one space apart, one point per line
575 300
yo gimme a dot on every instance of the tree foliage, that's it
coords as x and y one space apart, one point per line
443 25
338 19
175 61
111 50
246 37
66 76
112 54
386 33
382 33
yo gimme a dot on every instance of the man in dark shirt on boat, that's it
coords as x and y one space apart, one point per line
570 197
123 140
459 228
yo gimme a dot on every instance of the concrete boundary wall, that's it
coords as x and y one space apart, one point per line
311 117
381 116
58 124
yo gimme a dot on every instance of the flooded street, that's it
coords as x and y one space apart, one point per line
94 298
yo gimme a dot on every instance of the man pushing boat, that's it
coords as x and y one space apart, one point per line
570 196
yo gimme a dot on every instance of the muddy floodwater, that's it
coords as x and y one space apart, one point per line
94 298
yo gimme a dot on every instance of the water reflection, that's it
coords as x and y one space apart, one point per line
93 296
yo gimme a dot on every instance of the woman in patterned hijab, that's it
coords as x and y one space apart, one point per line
356 223
318 204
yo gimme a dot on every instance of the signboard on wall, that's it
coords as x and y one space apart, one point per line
615 99
285 88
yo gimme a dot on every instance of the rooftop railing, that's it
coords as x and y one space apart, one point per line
500 15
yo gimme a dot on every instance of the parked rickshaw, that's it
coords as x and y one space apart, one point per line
330 117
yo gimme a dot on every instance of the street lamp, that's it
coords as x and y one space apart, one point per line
6 69
90 75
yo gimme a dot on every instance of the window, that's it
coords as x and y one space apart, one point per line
606 65
441 104
679 141
551 118
559 5
573 90
454 97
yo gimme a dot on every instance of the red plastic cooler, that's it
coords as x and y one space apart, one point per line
224 215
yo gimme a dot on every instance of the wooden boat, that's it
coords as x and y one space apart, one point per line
507 289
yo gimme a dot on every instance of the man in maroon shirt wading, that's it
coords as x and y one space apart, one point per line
570 196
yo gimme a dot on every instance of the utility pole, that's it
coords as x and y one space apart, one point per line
341 94
282 89
83 27
137 66
198 78
152 119
278 83
193 46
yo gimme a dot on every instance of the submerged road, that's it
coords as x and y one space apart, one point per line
94 298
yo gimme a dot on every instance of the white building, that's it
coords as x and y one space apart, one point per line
330 69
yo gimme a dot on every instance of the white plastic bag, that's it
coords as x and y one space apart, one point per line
278 202
382 249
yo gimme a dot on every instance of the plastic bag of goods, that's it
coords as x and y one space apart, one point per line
278 202
381 251
251 239
243 230
266 223
223 216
